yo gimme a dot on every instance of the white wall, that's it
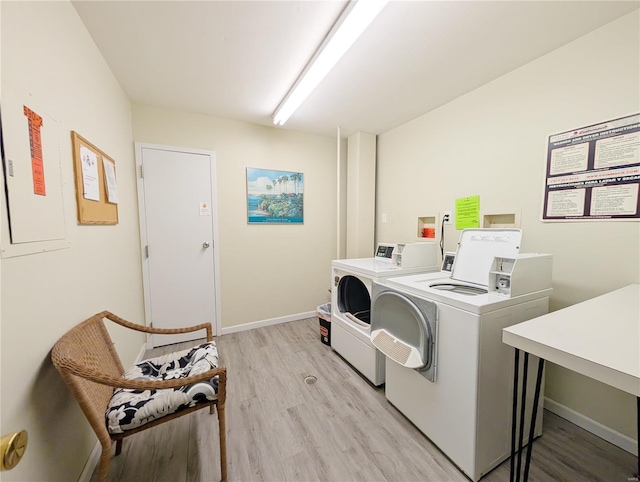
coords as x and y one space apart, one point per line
50 59
361 195
492 142
266 271
341 198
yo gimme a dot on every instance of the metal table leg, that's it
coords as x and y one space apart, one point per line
515 470
638 433
514 411
534 414
523 406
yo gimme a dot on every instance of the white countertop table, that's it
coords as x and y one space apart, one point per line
599 338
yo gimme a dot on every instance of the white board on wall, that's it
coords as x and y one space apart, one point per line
33 206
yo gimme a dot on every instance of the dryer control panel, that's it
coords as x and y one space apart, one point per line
410 255
385 251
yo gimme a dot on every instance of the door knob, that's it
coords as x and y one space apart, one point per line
205 245
12 447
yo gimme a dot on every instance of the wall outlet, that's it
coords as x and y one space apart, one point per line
384 218
447 217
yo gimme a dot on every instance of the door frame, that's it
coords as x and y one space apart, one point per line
142 221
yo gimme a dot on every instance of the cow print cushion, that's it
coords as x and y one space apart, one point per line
129 409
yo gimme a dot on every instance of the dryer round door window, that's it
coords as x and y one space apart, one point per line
354 298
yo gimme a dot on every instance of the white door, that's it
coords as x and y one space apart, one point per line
178 233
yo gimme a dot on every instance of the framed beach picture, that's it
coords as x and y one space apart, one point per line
274 197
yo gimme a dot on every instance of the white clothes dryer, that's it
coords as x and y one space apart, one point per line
351 301
448 370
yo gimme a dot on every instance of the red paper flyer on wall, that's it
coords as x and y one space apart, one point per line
35 144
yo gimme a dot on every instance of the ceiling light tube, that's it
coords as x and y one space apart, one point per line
349 27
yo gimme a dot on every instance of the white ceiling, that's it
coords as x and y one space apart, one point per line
238 59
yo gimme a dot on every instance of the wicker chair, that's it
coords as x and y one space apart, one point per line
89 364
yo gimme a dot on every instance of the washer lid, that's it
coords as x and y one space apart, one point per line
478 247
377 268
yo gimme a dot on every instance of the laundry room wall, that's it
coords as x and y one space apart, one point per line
267 272
50 60
492 142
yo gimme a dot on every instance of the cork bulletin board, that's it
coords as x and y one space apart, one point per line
91 190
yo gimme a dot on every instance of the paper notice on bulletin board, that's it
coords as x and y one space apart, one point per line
593 172
110 180
468 212
90 174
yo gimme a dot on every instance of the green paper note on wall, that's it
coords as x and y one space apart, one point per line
468 212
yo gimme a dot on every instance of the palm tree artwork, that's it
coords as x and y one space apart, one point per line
275 197
296 177
285 179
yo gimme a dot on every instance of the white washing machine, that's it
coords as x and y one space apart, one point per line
448 370
351 300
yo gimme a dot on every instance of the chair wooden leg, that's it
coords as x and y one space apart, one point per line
223 442
103 468
118 446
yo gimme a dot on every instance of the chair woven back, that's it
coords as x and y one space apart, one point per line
89 347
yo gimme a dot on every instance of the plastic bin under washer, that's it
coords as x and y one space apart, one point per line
410 339
324 317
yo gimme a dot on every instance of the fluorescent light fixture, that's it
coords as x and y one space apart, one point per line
349 27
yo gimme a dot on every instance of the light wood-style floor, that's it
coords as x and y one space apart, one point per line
339 429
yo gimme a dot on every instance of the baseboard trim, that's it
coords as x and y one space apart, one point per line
269 322
141 353
94 457
607 433
92 463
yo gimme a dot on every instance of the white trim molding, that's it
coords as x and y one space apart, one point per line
92 463
268 322
607 433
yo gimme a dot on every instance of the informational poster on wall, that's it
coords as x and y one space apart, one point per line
593 172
